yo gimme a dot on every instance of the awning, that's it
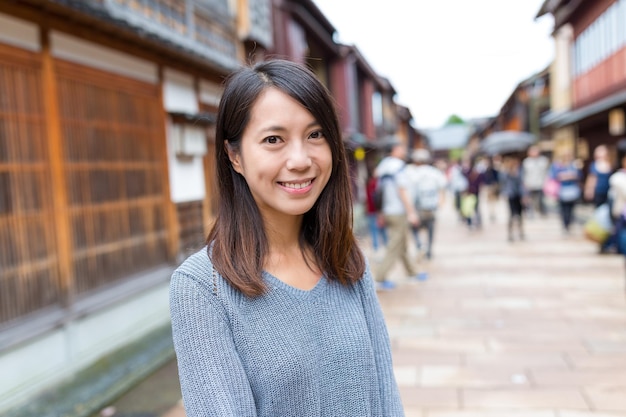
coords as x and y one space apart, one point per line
198 119
564 118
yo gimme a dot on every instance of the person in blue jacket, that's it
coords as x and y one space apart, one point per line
278 315
567 173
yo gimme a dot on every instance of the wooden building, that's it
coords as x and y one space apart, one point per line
588 75
106 116
522 111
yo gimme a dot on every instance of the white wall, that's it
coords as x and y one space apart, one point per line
186 174
90 54
179 94
210 93
19 33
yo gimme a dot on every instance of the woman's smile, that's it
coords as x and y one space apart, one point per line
297 186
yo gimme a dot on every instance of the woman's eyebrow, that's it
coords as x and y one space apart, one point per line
282 128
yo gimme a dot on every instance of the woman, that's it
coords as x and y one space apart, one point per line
278 315
597 183
475 180
568 175
512 186
492 185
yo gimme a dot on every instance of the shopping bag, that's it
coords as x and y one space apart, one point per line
599 226
468 205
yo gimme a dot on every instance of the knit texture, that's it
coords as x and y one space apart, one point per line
323 352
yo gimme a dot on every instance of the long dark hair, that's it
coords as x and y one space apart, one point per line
237 242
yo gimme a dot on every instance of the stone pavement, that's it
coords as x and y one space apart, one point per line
533 328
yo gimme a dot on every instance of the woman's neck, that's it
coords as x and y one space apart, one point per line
283 234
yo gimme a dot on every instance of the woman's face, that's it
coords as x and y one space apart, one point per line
284 156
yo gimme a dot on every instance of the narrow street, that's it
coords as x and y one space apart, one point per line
533 328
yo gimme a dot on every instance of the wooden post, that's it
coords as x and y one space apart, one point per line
170 208
57 168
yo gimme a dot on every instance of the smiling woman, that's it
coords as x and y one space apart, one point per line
278 315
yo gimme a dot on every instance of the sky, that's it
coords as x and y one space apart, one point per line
445 57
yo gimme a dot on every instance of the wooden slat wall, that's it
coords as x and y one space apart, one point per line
107 169
29 271
114 167
190 219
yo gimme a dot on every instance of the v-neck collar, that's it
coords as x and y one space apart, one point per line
313 293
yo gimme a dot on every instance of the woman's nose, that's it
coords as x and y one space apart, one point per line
298 157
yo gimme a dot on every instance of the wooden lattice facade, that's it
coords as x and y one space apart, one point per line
29 267
83 181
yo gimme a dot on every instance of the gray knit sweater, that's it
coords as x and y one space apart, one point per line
323 352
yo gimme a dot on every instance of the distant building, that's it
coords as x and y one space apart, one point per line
448 139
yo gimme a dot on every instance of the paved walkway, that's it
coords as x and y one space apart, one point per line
535 328
525 329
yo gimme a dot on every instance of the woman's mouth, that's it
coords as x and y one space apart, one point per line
296 185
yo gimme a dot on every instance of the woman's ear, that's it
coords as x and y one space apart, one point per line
235 158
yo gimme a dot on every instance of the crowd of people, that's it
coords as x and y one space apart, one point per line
414 186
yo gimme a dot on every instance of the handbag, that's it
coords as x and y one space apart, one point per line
551 188
569 193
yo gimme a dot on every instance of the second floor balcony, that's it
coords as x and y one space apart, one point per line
204 27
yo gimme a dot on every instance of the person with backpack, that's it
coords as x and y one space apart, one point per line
428 186
397 211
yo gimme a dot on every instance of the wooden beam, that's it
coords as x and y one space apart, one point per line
57 168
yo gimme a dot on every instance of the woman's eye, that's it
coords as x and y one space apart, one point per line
271 139
316 135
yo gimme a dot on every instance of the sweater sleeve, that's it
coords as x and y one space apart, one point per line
212 377
391 404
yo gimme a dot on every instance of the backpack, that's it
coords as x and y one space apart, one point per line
427 186
427 195
379 191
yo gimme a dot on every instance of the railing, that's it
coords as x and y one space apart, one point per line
204 27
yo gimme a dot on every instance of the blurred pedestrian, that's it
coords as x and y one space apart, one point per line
512 186
457 183
597 183
492 185
428 186
475 180
398 214
566 172
375 221
278 315
617 192
535 169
